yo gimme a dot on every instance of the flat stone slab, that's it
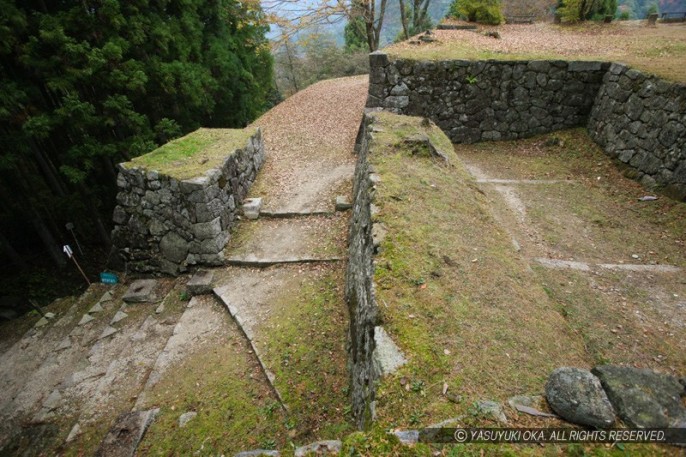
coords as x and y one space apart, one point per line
286 239
387 356
251 208
186 418
109 331
407 437
141 291
86 319
254 262
97 308
200 283
125 435
644 398
319 448
258 452
578 397
492 410
294 214
73 433
65 344
121 315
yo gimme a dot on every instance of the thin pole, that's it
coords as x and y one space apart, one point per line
79 267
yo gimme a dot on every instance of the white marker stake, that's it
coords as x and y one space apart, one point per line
67 250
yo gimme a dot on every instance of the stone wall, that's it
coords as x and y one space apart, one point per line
640 120
359 287
164 225
487 100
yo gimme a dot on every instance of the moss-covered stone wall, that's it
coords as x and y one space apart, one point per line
163 224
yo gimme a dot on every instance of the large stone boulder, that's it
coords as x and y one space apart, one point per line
577 396
642 397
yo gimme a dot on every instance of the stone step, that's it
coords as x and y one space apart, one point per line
253 262
293 214
245 323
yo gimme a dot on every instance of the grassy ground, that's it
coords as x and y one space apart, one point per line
193 154
305 347
301 340
468 310
657 50
450 288
596 216
225 387
623 317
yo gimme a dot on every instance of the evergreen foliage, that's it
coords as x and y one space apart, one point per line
85 85
480 11
582 10
355 35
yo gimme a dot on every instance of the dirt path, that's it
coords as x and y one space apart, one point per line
309 140
615 264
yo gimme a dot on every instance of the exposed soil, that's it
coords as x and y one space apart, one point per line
302 237
614 264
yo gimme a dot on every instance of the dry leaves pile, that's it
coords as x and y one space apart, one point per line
309 140
660 50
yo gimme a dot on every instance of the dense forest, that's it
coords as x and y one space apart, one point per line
87 84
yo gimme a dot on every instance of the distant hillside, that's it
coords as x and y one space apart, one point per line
673 6
639 8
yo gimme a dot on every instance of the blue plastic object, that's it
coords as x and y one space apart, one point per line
108 278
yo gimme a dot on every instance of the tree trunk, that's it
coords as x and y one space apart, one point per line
11 252
403 19
48 240
109 168
95 217
373 23
291 67
423 14
48 172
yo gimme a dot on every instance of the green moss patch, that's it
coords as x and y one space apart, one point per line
235 407
305 348
195 153
453 292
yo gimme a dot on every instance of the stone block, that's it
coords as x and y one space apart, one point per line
387 357
207 230
378 59
126 433
200 283
342 203
141 291
319 448
173 247
578 397
251 208
643 398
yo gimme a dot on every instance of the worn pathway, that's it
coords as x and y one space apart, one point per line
613 263
63 385
309 140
